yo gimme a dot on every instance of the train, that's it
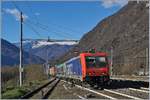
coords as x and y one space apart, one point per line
89 67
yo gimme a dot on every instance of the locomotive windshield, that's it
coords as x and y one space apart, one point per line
96 61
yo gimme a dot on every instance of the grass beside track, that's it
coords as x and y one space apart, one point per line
14 93
33 77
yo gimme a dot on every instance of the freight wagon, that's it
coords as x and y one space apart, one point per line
52 71
92 68
60 70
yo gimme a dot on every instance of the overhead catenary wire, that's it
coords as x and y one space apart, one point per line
35 17
51 24
16 6
32 28
47 29
28 25
57 25
43 27
32 25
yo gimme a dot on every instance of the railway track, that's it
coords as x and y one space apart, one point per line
82 92
42 92
123 93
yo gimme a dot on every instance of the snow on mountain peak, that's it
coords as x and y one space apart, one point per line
44 43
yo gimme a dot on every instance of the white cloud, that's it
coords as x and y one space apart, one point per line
14 12
37 14
111 3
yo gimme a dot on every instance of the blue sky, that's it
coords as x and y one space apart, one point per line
58 20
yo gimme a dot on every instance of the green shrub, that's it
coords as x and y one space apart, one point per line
14 93
10 88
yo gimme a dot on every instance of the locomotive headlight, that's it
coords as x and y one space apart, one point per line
103 73
89 74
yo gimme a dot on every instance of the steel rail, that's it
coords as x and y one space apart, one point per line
50 90
145 88
30 94
140 90
122 94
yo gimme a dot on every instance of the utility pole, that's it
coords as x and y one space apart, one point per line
21 56
149 38
147 62
47 65
111 67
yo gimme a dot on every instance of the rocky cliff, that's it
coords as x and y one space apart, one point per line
126 34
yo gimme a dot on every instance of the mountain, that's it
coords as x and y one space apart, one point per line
126 32
10 55
48 49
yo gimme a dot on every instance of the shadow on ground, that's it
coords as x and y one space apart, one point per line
116 84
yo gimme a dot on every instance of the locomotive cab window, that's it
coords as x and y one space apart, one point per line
96 61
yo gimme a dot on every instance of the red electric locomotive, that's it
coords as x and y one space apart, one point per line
95 68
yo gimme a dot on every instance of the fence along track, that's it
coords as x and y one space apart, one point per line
30 94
